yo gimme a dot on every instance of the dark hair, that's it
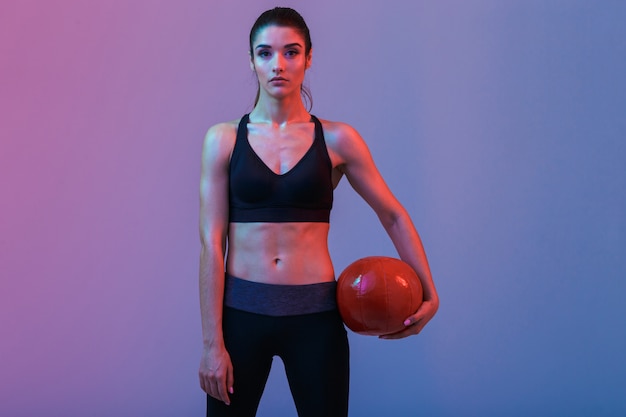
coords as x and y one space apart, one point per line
284 17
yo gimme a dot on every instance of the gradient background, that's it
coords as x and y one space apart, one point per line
498 123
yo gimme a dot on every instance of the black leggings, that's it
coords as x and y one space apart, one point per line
313 347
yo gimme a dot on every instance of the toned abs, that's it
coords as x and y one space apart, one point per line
280 253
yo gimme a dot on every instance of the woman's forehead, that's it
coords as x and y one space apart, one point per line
278 36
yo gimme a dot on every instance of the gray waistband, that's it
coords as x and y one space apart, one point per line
279 300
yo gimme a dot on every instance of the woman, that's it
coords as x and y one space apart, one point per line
267 284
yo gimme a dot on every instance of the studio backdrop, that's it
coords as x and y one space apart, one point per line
498 124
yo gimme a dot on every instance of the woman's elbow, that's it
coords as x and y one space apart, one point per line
391 218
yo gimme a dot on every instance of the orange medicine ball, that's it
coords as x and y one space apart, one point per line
376 294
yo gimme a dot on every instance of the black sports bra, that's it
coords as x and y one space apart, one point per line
258 194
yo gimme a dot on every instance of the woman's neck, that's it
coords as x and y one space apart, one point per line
279 112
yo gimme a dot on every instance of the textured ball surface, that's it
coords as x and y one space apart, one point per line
376 294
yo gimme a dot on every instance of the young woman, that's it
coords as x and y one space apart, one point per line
267 284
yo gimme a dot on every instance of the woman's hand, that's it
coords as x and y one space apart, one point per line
417 321
216 373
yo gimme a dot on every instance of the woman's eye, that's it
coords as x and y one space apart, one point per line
291 53
264 54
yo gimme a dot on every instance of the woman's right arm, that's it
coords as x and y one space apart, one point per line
216 371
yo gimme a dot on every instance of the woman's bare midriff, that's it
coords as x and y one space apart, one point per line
280 253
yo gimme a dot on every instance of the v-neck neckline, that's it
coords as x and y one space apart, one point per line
304 155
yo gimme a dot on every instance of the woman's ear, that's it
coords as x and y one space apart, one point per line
309 58
251 62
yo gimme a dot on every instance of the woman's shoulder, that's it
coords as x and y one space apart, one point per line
220 139
338 130
340 135
223 129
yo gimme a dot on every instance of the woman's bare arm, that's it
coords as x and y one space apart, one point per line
216 373
355 161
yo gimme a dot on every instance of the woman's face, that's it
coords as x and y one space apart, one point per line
279 60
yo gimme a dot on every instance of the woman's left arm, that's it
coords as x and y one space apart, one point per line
355 161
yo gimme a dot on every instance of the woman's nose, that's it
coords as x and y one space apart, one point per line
278 64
